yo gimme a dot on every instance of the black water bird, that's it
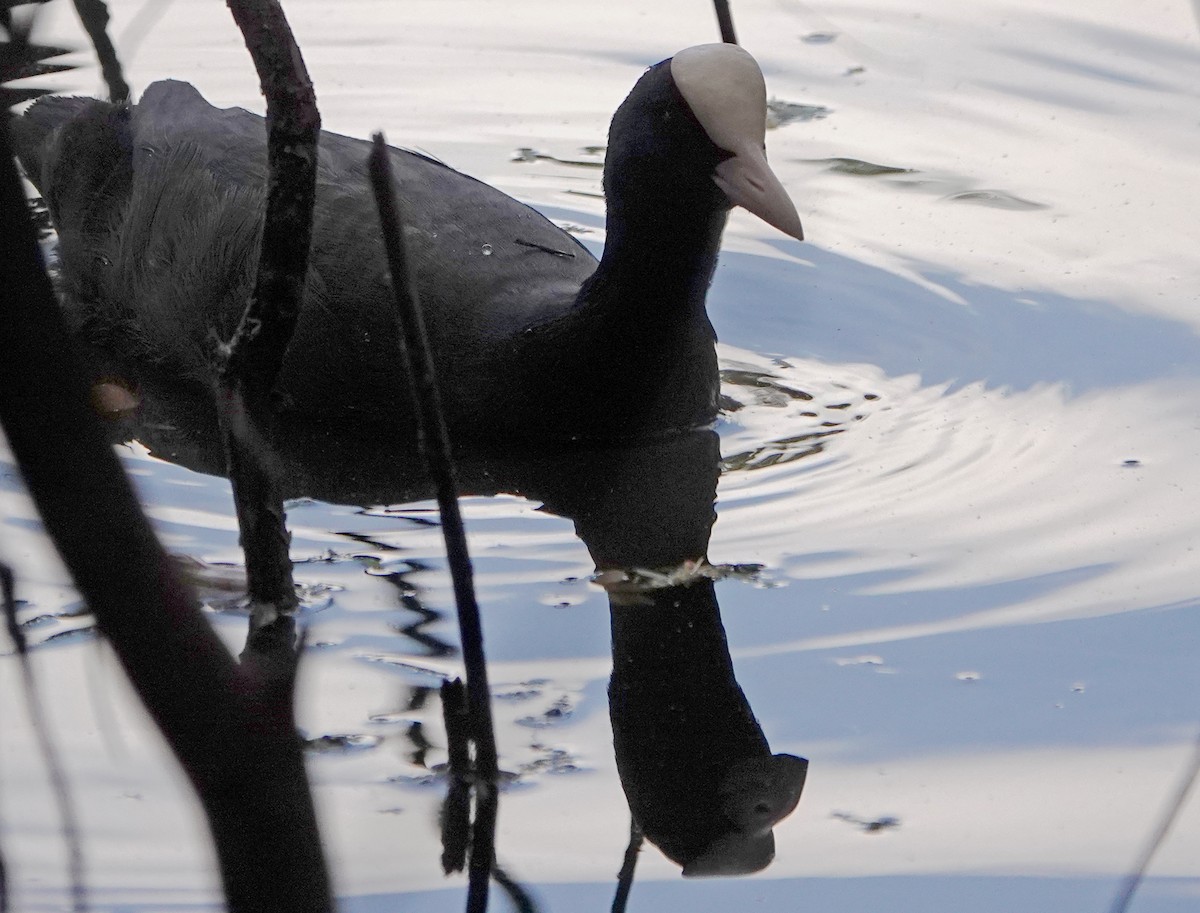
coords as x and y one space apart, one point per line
159 206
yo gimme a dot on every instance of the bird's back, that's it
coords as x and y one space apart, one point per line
167 265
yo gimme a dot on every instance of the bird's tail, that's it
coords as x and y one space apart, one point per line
78 153
31 131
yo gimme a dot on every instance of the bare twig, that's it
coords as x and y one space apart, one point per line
517 895
37 717
456 810
293 128
628 864
236 742
94 16
1130 884
255 355
725 21
231 728
262 523
437 451
436 446
483 844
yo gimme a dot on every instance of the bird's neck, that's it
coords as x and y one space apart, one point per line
662 266
639 333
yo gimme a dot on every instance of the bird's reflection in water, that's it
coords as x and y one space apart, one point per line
699 775
695 765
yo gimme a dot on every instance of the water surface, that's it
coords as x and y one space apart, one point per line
961 441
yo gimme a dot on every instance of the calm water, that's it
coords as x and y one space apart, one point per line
961 442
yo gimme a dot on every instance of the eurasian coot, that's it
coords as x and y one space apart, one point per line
158 207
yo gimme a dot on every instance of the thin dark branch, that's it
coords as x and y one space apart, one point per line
520 899
262 522
86 503
435 444
456 810
1130 884
483 844
231 728
293 128
251 365
94 16
3 883
46 747
725 21
625 877
84 498
255 355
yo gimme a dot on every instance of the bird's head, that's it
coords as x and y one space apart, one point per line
691 136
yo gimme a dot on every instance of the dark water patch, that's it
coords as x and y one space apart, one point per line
759 381
783 450
948 187
412 672
37 621
437 775
561 710
552 760
780 113
997 199
574 228
580 222
859 168
594 159
71 623
341 743
67 638
524 691
875 825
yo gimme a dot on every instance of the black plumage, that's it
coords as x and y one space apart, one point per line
159 207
